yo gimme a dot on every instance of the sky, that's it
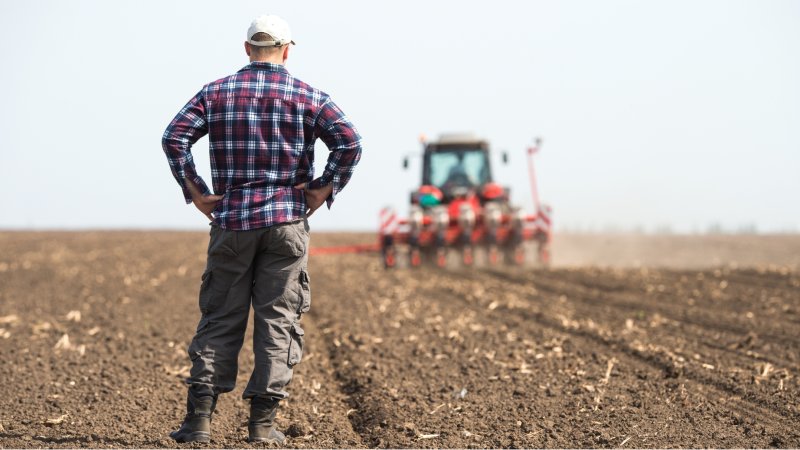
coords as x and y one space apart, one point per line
655 115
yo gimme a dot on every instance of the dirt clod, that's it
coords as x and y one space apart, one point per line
296 430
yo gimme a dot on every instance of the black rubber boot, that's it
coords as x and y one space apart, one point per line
262 421
196 426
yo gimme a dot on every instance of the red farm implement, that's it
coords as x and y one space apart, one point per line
460 208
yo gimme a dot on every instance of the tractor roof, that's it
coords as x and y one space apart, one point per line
459 138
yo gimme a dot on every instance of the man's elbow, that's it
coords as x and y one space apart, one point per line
165 140
357 154
170 143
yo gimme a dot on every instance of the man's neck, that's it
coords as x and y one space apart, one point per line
267 60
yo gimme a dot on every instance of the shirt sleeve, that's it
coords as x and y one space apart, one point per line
188 126
344 144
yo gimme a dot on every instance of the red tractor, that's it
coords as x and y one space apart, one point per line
459 207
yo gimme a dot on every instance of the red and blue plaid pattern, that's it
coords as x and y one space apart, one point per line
261 124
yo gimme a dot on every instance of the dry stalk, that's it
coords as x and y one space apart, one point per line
610 366
436 409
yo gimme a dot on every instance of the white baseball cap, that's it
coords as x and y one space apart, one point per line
273 26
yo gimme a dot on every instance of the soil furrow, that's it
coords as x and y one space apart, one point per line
772 423
550 282
669 366
738 346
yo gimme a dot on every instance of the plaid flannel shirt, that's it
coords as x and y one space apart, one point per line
261 124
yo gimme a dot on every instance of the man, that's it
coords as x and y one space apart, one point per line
262 124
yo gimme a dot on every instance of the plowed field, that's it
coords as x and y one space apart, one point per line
660 345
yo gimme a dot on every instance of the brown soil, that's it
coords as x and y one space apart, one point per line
572 356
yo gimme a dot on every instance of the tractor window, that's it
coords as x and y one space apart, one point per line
459 168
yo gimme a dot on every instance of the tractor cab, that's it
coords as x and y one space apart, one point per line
456 167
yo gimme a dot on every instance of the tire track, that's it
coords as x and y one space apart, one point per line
736 339
680 327
755 411
319 402
632 302
445 336
762 405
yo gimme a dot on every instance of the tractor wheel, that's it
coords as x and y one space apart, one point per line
519 255
468 257
544 253
515 248
441 257
389 257
415 259
494 255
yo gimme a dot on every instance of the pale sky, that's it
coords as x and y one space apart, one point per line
653 113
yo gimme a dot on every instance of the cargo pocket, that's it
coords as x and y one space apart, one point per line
305 292
205 291
296 344
212 295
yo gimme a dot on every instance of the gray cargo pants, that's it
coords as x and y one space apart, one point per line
266 268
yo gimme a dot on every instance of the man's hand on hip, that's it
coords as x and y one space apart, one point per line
315 197
205 203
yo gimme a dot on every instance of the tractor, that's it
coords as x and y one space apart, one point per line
459 207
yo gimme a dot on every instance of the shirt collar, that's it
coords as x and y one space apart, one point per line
259 65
